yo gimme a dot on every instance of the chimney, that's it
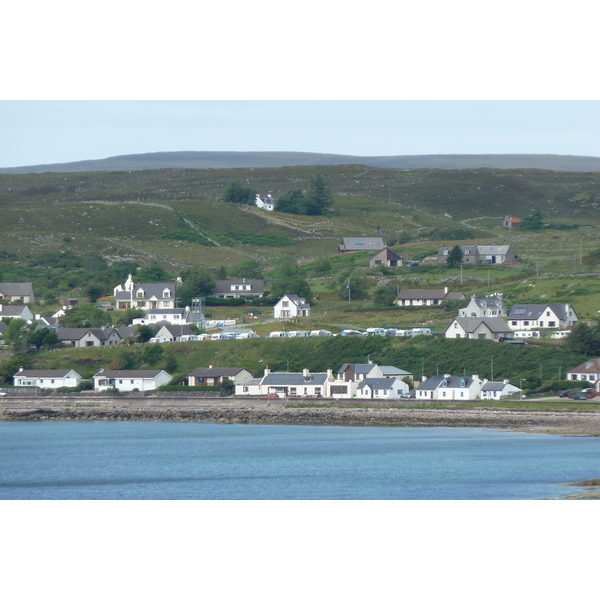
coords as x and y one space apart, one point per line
329 374
505 381
370 362
210 366
424 378
267 371
305 373
445 290
447 375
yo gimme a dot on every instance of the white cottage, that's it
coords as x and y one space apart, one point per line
291 306
47 379
127 381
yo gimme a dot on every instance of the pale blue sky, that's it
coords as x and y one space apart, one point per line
46 131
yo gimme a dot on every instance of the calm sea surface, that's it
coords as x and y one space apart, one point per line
177 461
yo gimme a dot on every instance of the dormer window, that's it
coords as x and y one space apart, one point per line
140 293
444 383
166 293
462 382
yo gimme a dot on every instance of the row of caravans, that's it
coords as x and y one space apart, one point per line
291 334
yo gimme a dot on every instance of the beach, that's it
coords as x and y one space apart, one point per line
251 410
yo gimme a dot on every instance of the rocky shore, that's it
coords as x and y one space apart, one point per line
263 411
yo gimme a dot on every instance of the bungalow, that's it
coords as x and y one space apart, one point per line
542 316
144 295
511 222
492 255
387 258
495 390
356 244
291 306
239 288
173 333
492 306
15 311
426 297
587 371
295 384
381 388
127 381
47 379
478 328
84 337
210 375
449 387
16 292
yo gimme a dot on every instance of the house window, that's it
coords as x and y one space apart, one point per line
89 343
285 303
317 391
339 389
166 294
245 389
293 390
120 381
458 335
525 322
551 323
481 336
140 294
513 322
132 381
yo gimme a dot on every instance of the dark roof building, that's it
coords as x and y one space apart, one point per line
356 244
239 288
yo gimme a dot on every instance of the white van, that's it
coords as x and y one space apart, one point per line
526 334
560 335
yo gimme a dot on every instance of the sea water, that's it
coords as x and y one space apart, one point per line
195 461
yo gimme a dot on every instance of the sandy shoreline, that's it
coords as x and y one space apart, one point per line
261 411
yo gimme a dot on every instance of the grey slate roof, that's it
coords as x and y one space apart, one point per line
216 371
377 383
361 243
166 311
76 333
150 374
493 386
434 382
494 324
223 286
534 311
360 369
17 289
295 379
394 372
492 302
176 330
14 310
57 373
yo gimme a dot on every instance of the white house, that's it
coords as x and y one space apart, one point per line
381 388
496 390
265 202
449 387
478 328
492 306
47 379
587 371
175 316
15 311
126 381
144 295
291 306
210 375
87 337
18 292
287 384
173 333
542 316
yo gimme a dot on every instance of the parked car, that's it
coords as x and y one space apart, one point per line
588 390
578 397
2 393
564 394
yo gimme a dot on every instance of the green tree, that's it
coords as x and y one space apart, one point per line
250 269
384 295
143 333
238 194
584 339
533 221
152 273
288 278
320 198
292 202
122 318
197 282
43 338
351 286
86 316
454 257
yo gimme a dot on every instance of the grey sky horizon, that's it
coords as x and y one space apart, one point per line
45 131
